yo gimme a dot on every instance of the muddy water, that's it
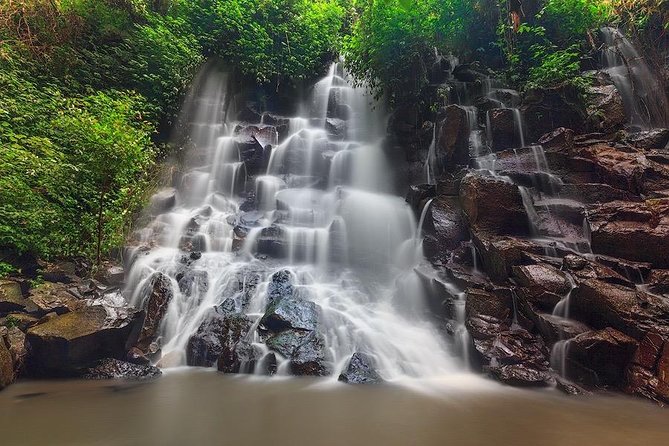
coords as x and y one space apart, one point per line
203 407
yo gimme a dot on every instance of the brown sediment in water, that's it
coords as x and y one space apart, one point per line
201 407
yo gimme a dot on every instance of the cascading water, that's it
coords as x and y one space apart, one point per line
322 210
645 102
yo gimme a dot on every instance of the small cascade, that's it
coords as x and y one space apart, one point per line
317 213
645 102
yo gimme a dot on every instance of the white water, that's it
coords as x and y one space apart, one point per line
645 101
350 245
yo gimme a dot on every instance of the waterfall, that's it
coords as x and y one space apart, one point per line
643 96
321 209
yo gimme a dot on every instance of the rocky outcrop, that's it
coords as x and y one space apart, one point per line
605 108
74 339
220 332
452 138
158 294
360 370
114 369
504 129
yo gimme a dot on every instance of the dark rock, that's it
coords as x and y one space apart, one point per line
500 254
280 286
560 138
606 352
503 129
521 375
418 195
193 282
110 368
76 338
11 297
543 277
481 302
249 113
7 375
240 358
55 297
444 227
158 295
218 333
311 358
360 370
452 144
63 272
619 228
656 139
493 205
605 108
286 342
18 348
549 108
290 312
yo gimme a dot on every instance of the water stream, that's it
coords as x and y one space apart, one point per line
323 210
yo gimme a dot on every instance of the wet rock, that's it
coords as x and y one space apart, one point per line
11 297
484 303
7 375
418 195
503 129
549 108
656 139
245 358
593 193
560 138
218 333
607 352
605 108
76 338
112 275
500 254
158 295
163 201
17 344
360 370
521 375
646 384
286 342
444 227
452 144
55 297
193 282
628 169
619 228
468 73
542 277
290 312
110 368
311 358
280 286
280 123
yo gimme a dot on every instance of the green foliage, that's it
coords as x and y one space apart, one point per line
570 20
63 161
10 321
6 269
268 40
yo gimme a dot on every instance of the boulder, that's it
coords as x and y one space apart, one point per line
158 295
560 139
542 277
503 129
549 108
521 375
60 272
11 298
75 339
656 139
418 195
500 254
360 370
280 286
311 358
55 297
481 302
193 282
336 128
246 358
606 352
444 227
452 138
290 313
605 108
7 374
22 321
493 205
110 368
218 333
112 275
17 344
619 228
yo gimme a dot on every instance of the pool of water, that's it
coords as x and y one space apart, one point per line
194 407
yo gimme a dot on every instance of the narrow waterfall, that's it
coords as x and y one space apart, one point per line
645 102
305 199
